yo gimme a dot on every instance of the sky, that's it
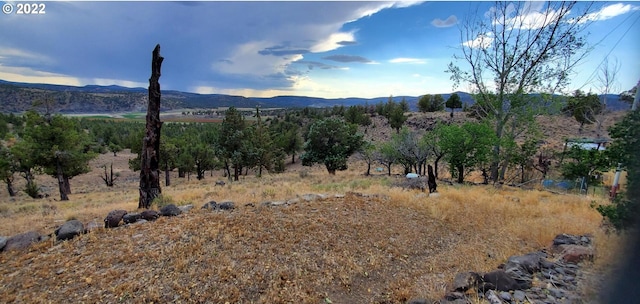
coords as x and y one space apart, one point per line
334 49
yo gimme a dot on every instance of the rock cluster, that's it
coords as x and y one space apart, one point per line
542 277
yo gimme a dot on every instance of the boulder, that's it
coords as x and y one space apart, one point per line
312 197
113 218
212 205
499 280
149 215
131 218
465 281
228 205
69 230
528 262
170 210
22 241
3 242
220 183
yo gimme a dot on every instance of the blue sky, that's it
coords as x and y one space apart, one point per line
262 49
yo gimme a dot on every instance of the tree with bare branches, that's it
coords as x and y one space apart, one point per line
514 50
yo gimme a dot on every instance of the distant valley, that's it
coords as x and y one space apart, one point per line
17 97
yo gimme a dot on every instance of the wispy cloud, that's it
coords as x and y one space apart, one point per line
611 11
408 60
315 64
347 58
482 41
451 21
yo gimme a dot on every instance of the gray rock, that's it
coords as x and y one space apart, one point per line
170 210
465 281
69 230
499 280
568 239
141 221
519 295
149 215
418 301
528 262
211 205
185 208
113 218
228 205
454 295
220 183
130 218
22 241
505 296
556 293
3 242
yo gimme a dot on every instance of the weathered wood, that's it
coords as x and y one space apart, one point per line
149 171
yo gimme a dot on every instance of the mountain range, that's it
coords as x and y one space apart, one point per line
17 97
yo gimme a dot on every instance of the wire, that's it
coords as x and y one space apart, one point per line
611 50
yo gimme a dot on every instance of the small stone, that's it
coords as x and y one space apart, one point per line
556 293
500 281
454 295
211 205
418 301
505 296
113 218
519 295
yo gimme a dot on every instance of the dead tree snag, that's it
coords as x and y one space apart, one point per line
149 171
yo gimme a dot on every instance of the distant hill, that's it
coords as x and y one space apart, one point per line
18 97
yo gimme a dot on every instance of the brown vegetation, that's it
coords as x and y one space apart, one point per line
385 247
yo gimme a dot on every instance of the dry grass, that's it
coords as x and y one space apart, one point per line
387 247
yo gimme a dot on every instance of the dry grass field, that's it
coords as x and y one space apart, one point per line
368 242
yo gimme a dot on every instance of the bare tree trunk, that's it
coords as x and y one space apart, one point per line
149 170
167 177
9 183
61 186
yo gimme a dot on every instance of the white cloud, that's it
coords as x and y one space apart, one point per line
451 21
482 41
610 11
408 60
28 75
332 42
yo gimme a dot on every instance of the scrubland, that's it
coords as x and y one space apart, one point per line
376 244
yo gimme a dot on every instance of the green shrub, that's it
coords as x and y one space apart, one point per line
621 213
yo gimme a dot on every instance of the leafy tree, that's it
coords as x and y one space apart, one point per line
397 118
432 140
367 153
387 155
331 141
8 168
522 156
454 102
232 139
23 152
357 115
60 148
465 146
286 137
585 163
624 212
431 103
584 108
509 56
